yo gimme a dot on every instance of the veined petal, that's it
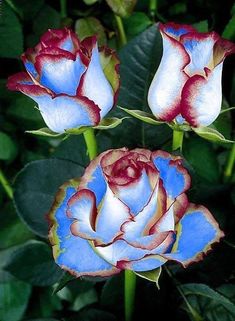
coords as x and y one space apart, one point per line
64 112
164 94
175 177
59 73
202 98
196 232
147 263
95 86
72 253
199 46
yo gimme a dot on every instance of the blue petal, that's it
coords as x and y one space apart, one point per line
175 179
31 69
97 184
75 254
61 75
148 263
196 231
64 112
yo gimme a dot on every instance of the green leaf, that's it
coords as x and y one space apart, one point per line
201 26
114 302
45 132
63 281
204 163
211 135
90 26
136 23
35 189
205 291
85 299
8 148
142 115
109 123
229 31
96 315
25 9
152 275
11 36
90 2
14 297
122 8
33 263
46 18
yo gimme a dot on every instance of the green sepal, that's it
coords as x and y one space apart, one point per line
63 281
152 275
45 132
211 134
142 115
109 123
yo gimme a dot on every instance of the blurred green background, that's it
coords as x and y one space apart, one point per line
32 287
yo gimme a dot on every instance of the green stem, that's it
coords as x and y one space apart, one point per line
229 167
91 144
177 142
63 8
152 7
130 284
121 31
6 185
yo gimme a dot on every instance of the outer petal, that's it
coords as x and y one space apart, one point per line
59 72
199 46
164 94
202 98
175 177
147 263
95 86
64 112
72 253
175 30
196 232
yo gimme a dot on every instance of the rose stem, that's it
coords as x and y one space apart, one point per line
153 8
63 8
130 284
121 31
6 185
91 144
230 163
177 142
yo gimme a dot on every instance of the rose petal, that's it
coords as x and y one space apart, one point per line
176 30
95 86
58 72
147 263
196 232
175 177
72 253
164 94
202 98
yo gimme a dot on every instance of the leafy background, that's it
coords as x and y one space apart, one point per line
32 287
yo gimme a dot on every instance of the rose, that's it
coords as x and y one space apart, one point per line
129 211
187 84
73 82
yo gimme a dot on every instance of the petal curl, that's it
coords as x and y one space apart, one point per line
72 253
175 30
95 86
196 232
175 177
147 263
164 94
202 98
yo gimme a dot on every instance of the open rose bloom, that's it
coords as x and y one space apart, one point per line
129 211
73 82
187 85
